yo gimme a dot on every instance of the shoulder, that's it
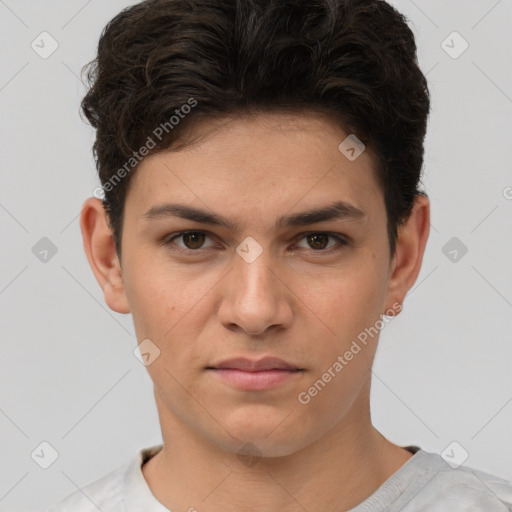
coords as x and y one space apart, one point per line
460 489
104 494
476 489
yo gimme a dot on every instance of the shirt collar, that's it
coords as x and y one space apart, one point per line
136 492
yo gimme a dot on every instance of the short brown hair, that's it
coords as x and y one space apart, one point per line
352 59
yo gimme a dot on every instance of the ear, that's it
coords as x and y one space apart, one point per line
411 243
100 250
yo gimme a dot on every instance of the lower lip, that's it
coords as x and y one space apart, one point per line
255 381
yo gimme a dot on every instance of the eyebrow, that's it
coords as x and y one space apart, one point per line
339 210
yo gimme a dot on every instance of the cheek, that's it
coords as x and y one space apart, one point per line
155 299
348 300
167 304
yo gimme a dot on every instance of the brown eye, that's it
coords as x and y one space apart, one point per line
193 239
318 240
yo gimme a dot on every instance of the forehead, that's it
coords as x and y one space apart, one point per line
256 164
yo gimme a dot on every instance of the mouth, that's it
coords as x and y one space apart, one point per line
253 375
249 365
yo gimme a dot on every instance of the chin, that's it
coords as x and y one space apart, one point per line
263 439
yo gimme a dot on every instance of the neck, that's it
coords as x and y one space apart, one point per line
336 472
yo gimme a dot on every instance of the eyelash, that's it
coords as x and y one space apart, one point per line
169 240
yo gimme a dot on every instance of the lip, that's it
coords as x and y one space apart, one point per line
249 365
255 375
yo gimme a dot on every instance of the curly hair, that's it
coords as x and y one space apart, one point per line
161 65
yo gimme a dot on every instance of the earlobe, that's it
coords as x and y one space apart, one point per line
101 253
410 248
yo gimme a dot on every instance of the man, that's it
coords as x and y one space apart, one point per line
262 222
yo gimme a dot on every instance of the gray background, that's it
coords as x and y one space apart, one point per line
68 373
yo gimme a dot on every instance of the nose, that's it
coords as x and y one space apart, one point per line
254 299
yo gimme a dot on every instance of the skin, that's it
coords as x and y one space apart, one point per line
295 301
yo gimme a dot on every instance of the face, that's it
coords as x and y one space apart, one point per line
267 282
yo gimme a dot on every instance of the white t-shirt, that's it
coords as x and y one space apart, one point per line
424 483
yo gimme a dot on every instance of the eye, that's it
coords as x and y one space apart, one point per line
318 240
193 241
